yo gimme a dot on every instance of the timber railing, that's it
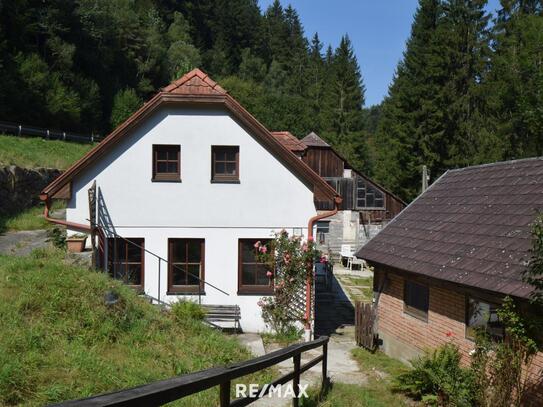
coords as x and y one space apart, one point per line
166 391
33 131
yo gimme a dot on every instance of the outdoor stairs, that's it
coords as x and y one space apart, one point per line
332 309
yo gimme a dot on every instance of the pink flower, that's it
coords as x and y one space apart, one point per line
449 334
269 274
257 244
260 303
263 249
324 260
310 239
304 247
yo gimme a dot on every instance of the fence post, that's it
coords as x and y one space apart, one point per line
324 365
64 135
20 130
47 134
225 394
296 380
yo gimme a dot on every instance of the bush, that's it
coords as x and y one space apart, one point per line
188 310
438 379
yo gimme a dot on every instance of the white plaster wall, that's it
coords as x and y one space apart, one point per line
269 197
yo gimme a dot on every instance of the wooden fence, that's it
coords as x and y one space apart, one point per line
364 319
26 130
165 391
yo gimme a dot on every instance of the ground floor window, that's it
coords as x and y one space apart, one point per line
416 299
483 315
186 265
323 228
252 276
125 260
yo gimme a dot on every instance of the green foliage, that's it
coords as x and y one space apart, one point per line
39 153
28 219
500 367
288 260
57 236
289 336
125 103
438 379
184 310
60 340
533 274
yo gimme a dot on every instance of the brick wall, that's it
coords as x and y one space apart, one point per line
446 323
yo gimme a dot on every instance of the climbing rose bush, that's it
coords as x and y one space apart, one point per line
288 260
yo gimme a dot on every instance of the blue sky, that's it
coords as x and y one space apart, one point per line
378 30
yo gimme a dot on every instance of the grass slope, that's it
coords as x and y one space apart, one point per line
60 341
29 219
37 152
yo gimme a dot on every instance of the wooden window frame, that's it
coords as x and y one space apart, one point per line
366 184
110 255
188 289
411 310
244 289
166 176
224 178
466 314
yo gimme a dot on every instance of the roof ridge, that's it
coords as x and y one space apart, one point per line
496 163
204 77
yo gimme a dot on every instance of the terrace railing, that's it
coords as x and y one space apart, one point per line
166 391
33 131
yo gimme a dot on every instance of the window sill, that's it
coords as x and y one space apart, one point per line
185 293
417 315
246 292
165 179
225 181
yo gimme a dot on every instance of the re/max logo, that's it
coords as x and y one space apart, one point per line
253 390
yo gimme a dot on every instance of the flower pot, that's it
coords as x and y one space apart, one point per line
76 244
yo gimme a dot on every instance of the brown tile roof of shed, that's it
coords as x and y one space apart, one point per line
471 227
289 141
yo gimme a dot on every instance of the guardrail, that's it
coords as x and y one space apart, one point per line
25 130
166 391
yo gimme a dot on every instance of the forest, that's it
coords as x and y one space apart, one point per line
468 88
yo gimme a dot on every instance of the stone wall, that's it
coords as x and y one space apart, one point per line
20 187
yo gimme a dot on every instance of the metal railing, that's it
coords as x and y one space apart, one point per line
33 131
108 233
166 391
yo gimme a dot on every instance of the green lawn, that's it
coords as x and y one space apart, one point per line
60 341
358 288
29 219
378 391
36 152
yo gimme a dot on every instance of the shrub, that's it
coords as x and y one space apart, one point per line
188 310
438 379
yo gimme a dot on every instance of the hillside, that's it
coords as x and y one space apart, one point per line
36 152
60 341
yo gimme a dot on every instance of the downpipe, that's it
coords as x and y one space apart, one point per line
308 329
71 225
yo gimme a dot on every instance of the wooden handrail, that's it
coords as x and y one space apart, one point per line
165 391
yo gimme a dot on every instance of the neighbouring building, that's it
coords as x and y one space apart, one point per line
444 265
184 188
366 206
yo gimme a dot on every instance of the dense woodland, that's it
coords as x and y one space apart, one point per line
469 88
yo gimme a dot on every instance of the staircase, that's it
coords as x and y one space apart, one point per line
333 309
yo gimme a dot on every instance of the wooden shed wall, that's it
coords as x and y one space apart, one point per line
324 162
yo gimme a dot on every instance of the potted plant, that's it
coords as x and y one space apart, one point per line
76 243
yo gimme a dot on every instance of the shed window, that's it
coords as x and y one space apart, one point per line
367 196
125 260
225 163
166 162
252 276
483 315
416 299
186 265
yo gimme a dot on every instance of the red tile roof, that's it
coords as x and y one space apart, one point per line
289 141
471 227
194 88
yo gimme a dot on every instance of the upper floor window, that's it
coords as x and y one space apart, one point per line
367 196
483 315
166 162
225 163
416 299
125 260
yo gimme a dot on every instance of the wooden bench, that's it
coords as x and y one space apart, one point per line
222 313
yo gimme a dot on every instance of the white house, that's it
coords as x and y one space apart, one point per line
193 178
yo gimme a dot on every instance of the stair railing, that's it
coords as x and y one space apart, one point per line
115 235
